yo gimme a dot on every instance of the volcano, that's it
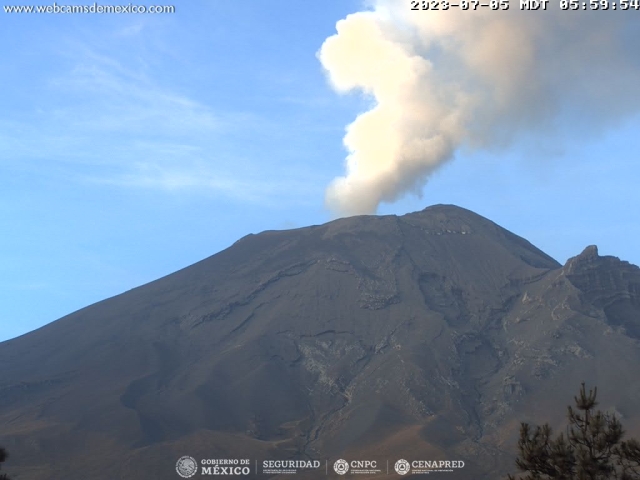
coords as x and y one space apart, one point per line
427 336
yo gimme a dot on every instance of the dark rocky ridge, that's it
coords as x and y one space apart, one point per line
428 335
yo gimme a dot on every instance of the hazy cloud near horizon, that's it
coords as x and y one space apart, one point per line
440 81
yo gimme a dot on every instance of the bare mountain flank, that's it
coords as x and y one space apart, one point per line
429 335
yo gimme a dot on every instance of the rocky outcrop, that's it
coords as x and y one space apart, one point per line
432 334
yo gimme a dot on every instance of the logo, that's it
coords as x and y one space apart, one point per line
186 466
402 466
225 466
441 466
286 467
341 467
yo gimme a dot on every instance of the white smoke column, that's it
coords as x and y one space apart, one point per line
441 80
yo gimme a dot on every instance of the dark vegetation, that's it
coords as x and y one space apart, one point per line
591 449
3 457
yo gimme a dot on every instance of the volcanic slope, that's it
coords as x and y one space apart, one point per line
425 336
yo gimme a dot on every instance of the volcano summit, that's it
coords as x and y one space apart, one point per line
427 336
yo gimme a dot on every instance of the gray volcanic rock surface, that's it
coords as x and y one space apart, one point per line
425 336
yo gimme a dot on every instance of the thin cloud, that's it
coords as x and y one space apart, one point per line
107 97
202 180
107 123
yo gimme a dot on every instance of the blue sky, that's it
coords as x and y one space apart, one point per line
134 145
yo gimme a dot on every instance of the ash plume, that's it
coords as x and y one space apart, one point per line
440 81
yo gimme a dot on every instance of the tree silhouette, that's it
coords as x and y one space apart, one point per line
3 457
592 448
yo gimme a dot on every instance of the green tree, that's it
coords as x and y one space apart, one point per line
3 457
592 448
